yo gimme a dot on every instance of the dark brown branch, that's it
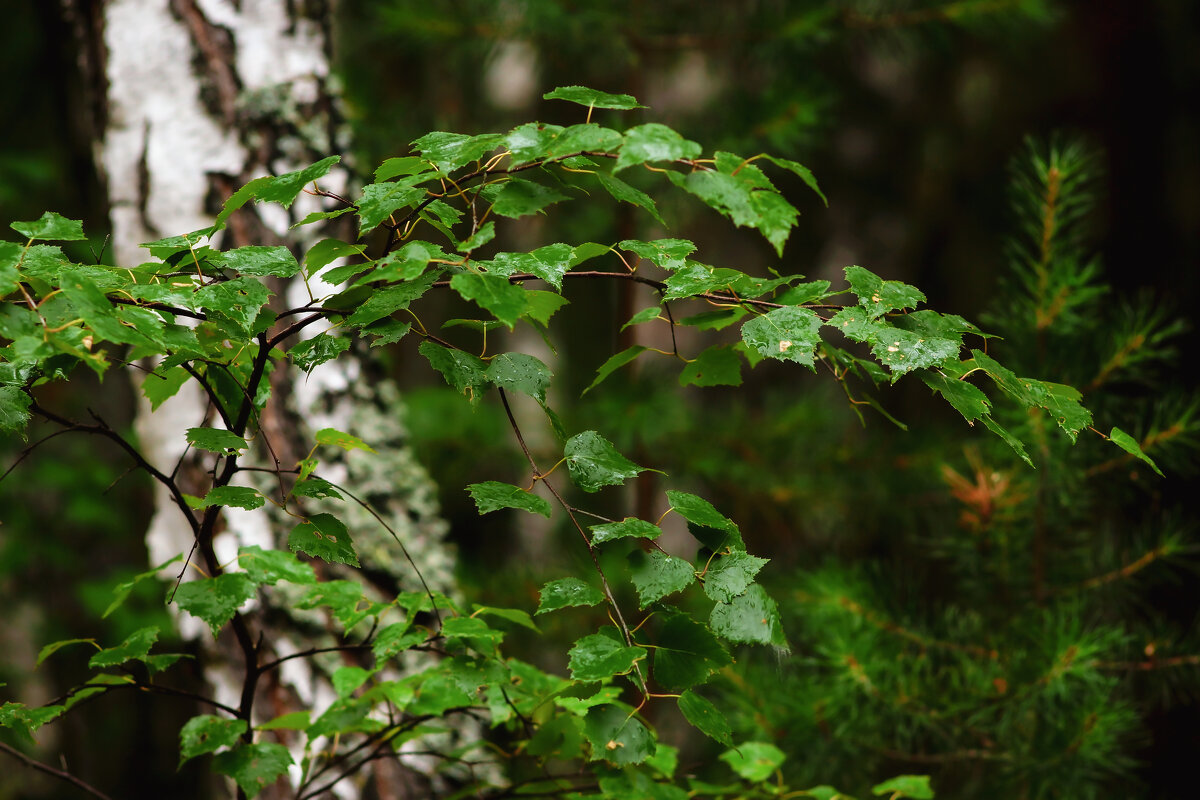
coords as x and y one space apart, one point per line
298 326
537 475
179 312
61 774
101 428
30 448
312 651
715 297
212 395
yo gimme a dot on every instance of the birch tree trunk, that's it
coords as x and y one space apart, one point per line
192 99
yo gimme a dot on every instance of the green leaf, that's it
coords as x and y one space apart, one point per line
630 526
714 320
26 721
966 398
592 98
346 679
485 233
656 575
566 592
215 600
914 786
14 408
754 761
740 191
786 334
1016 444
751 617
135 647
637 784
715 366
697 510
645 315
1026 391
321 348
878 296
514 615
379 200
476 632
517 198
665 761
96 310
902 351
614 363
1130 445
730 575
320 216
388 301
345 716
235 496
465 372
654 142
343 598
802 171
549 263
283 189
531 141
585 137
686 653
54 647
542 305
668 254
623 192
594 463
122 590
253 766
493 293
272 566
520 372
51 227
157 387
449 151
561 735
295 721
387 331
1063 403
395 639
803 293
616 736
598 657
207 733
705 717
326 251
216 440
260 261
323 536
392 167
346 441
239 299
492 496
11 255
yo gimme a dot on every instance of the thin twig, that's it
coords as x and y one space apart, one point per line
57 773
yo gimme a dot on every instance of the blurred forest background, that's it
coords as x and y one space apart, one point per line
887 545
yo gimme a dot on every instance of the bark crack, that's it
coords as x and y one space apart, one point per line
216 52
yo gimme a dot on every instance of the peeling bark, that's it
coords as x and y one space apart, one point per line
193 98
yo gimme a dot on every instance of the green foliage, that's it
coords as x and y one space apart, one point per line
1007 638
58 318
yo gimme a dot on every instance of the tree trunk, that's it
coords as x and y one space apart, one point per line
192 99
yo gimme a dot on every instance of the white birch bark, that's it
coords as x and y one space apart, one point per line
202 96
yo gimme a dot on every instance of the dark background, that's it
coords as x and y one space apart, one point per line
910 133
